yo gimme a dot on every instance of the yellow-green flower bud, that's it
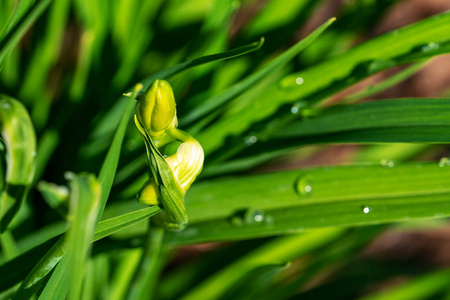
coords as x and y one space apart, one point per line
156 110
187 163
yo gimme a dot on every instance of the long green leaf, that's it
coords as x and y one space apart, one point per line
419 120
294 201
406 120
20 141
112 225
84 204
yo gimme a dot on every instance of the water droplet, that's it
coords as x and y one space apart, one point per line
445 161
254 216
33 153
248 216
299 80
294 110
366 209
430 47
304 187
251 140
387 163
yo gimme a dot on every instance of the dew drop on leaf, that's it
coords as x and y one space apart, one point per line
366 209
254 216
387 163
304 186
445 161
430 47
251 140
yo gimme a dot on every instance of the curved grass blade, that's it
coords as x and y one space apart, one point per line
252 80
10 39
295 201
56 196
203 60
20 141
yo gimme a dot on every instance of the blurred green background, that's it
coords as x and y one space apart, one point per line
71 67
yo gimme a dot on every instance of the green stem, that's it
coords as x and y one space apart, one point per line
149 267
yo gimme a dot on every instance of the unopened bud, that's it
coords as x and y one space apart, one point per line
156 109
187 163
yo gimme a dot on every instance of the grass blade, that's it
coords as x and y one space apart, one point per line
146 276
20 141
276 251
388 83
406 120
295 201
84 203
123 276
14 35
